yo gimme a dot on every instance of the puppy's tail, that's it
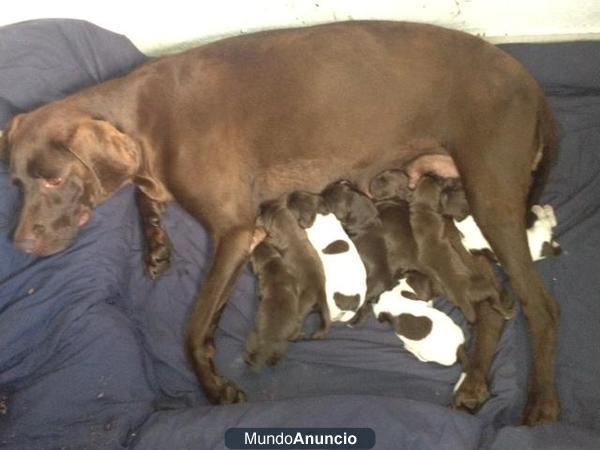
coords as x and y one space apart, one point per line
547 153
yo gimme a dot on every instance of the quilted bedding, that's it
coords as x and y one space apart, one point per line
92 350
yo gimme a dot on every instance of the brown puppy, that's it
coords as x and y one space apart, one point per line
225 126
291 285
443 257
400 183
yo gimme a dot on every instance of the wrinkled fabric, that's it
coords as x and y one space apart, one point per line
92 353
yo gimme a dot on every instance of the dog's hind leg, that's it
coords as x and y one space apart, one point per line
157 244
496 172
474 391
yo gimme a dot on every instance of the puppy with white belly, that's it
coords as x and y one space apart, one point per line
345 273
426 332
539 234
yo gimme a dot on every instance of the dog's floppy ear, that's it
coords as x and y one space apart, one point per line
4 135
111 155
3 146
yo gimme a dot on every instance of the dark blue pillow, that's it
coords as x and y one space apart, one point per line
44 60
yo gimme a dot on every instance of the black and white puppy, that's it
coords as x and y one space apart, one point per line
343 268
426 332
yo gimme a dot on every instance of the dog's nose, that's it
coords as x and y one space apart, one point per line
28 245
29 241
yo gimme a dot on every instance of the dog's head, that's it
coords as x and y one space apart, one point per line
65 163
390 184
305 206
352 208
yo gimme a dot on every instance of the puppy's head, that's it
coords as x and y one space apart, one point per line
421 285
65 163
453 202
390 184
428 192
278 222
351 207
305 206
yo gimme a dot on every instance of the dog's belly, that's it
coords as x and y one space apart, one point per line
358 165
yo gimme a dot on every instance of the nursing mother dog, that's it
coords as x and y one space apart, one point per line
274 112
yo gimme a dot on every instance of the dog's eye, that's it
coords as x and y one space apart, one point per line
52 182
17 182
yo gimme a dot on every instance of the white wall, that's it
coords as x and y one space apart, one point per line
150 24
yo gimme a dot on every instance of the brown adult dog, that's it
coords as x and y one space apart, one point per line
225 126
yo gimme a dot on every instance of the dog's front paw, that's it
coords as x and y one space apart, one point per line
225 392
541 409
471 394
158 252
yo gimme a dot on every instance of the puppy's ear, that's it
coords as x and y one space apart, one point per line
111 155
322 206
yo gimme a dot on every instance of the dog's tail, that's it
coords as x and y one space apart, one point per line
547 153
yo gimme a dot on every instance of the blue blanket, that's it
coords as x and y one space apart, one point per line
92 353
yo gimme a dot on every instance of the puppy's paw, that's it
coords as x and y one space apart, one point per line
318 335
261 354
545 215
297 337
273 359
471 394
538 210
550 216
